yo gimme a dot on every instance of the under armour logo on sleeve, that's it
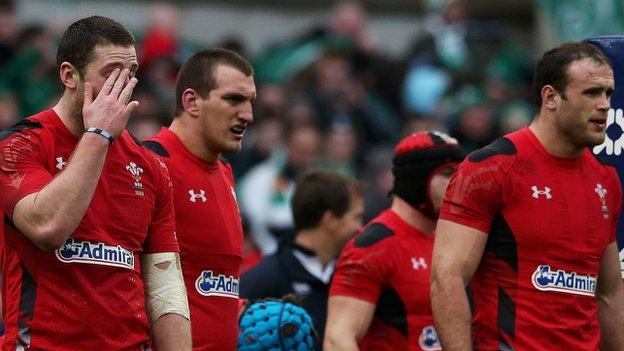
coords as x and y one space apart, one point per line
60 164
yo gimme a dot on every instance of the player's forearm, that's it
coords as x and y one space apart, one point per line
611 314
337 341
451 313
49 217
172 332
348 319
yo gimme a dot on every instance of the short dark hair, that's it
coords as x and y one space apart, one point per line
83 36
198 72
319 191
552 68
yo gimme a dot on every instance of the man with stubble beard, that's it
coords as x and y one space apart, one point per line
90 255
214 91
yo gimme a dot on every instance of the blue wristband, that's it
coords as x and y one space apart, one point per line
103 133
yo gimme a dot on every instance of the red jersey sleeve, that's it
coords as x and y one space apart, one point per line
475 194
360 273
161 236
22 168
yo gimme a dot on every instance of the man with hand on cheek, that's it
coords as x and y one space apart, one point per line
89 233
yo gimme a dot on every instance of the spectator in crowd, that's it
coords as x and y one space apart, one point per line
265 138
161 51
378 298
441 58
271 100
299 113
339 151
144 128
147 119
349 20
347 29
266 190
378 178
265 142
215 90
9 31
514 117
30 75
476 127
88 212
338 96
161 39
327 209
8 111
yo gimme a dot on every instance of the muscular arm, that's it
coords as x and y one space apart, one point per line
456 255
49 216
610 298
172 332
348 319
166 301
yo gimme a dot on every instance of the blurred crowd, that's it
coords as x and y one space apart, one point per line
328 98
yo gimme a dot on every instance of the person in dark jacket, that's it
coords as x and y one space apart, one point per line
327 210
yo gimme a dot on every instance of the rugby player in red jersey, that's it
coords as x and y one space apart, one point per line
214 90
90 255
379 295
531 219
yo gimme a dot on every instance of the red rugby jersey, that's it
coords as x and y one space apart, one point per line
88 294
209 230
388 264
548 221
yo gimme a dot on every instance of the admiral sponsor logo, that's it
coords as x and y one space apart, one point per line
546 279
95 253
208 284
428 339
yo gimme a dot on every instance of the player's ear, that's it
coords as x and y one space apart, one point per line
328 220
550 97
69 75
190 101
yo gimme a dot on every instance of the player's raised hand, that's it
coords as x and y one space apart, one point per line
110 109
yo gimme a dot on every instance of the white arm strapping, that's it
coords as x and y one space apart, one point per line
164 286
